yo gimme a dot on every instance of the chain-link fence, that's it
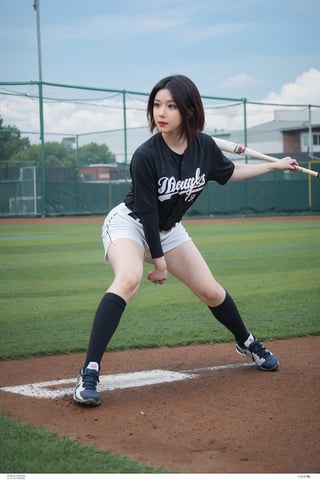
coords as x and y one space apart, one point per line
66 150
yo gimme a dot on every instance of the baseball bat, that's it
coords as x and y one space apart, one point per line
231 147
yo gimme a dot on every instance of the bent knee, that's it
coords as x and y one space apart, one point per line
213 296
127 285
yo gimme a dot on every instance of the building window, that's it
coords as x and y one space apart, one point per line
316 139
305 139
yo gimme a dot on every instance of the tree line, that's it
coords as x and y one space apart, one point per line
18 150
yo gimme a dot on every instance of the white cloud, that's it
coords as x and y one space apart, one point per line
304 90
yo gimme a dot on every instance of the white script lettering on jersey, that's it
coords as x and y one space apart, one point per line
169 186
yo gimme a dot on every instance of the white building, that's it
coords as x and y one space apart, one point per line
290 133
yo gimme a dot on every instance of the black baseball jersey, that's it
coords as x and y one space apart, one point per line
168 183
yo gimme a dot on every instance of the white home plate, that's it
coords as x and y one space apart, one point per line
60 388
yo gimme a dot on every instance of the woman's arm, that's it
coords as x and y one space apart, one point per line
242 171
150 222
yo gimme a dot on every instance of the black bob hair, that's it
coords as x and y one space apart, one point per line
186 96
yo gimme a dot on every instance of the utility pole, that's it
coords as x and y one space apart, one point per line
36 6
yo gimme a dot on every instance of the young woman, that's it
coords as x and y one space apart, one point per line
169 171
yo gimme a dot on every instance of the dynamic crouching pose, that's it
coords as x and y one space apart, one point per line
168 171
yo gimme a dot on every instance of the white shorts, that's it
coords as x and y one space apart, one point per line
119 224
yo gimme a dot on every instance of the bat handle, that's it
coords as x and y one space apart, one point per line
309 172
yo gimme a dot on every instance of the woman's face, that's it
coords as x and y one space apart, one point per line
166 114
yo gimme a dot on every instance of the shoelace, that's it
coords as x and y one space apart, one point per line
90 380
259 349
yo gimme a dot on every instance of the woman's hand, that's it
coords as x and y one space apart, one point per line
160 273
286 163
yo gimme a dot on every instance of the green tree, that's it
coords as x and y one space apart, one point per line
11 142
17 150
56 155
94 153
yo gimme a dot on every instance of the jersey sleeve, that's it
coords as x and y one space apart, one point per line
150 222
143 175
145 202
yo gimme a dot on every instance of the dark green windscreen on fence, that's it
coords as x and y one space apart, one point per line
272 193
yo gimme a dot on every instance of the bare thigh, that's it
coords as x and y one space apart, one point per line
126 259
187 264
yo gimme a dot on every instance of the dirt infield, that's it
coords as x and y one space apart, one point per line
234 419
230 420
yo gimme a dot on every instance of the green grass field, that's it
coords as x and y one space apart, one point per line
53 276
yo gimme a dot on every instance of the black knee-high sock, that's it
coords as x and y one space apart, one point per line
105 322
227 313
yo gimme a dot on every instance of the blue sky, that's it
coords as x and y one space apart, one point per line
261 50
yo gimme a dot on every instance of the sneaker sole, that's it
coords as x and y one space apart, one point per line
244 353
89 402
270 369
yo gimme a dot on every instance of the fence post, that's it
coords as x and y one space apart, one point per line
245 133
310 132
245 140
43 161
125 132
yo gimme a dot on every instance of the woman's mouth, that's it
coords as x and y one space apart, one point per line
162 124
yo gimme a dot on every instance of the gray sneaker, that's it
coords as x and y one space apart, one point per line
262 357
86 388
